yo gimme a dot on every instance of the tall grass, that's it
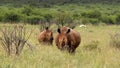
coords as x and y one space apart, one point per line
115 40
51 57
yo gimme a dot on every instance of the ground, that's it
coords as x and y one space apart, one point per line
95 51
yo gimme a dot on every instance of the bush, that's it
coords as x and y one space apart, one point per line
91 14
12 17
2 13
108 19
1 17
118 18
27 10
48 17
64 18
94 21
14 38
76 16
85 21
34 19
46 5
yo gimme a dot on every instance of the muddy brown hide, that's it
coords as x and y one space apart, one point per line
67 39
46 37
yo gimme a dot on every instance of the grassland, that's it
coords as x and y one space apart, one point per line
102 56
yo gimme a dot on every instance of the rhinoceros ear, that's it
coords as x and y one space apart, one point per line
68 31
58 30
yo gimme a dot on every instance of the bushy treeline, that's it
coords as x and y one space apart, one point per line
61 14
53 2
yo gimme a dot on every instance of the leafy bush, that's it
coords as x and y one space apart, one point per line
34 19
108 19
91 14
118 18
46 5
48 17
1 16
27 10
85 21
76 16
12 17
94 21
2 13
64 18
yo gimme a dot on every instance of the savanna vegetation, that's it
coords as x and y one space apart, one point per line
62 14
19 46
99 48
53 2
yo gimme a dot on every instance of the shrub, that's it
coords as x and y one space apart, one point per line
108 19
48 17
2 13
115 40
27 10
34 19
118 18
1 17
12 17
91 14
46 5
64 18
85 21
94 21
76 16
14 38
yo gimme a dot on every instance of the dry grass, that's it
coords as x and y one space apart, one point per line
115 40
51 57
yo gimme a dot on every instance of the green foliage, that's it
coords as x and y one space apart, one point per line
27 10
48 17
2 13
64 18
118 18
62 14
1 17
108 19
91 14
34 19
85 20
48 3
76 16
94 21
12 17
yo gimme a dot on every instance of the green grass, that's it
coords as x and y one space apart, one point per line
51 57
